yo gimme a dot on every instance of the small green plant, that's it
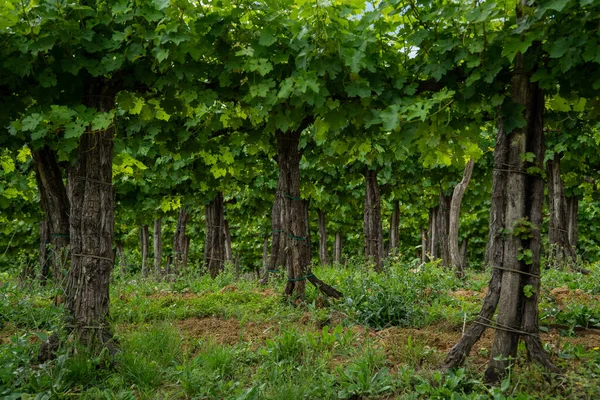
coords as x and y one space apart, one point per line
366 376
288 346
525 255
523 229
528 291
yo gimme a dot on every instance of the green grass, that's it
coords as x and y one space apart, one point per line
267 348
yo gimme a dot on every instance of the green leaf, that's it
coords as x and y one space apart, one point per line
7 164
358 88
354 59
47 78
267 38
557 5
321 129
559 48
75 129
102 121
31 122
286 88
389 118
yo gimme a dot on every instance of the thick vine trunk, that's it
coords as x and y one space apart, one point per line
443 228
337 248
278 258
55 204
91 228
145 248
372 221
323 253
227 237
494 247
572 215
214 247
157 246
292 220
517 314
180 243
456 255
45 241
394 225
561 253
122 257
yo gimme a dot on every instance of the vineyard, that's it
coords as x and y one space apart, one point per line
299 199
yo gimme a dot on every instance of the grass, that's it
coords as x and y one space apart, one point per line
199 338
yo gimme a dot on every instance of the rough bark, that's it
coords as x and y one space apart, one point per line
461 350
561 253
214 247
521 257
443 226
145 248
293 221
55 204
278 258
180 243
534 185
157 246
572 214
456 256
91 228
494 247
122 257
337 248
323 253
373 231
45 241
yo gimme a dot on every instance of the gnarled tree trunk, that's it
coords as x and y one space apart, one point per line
323 253
91 227
456 256
372 221
293 222
517 263
55 204
214 248
560 253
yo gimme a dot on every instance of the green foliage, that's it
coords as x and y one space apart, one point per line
396 298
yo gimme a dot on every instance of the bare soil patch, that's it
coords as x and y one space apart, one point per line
227 331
